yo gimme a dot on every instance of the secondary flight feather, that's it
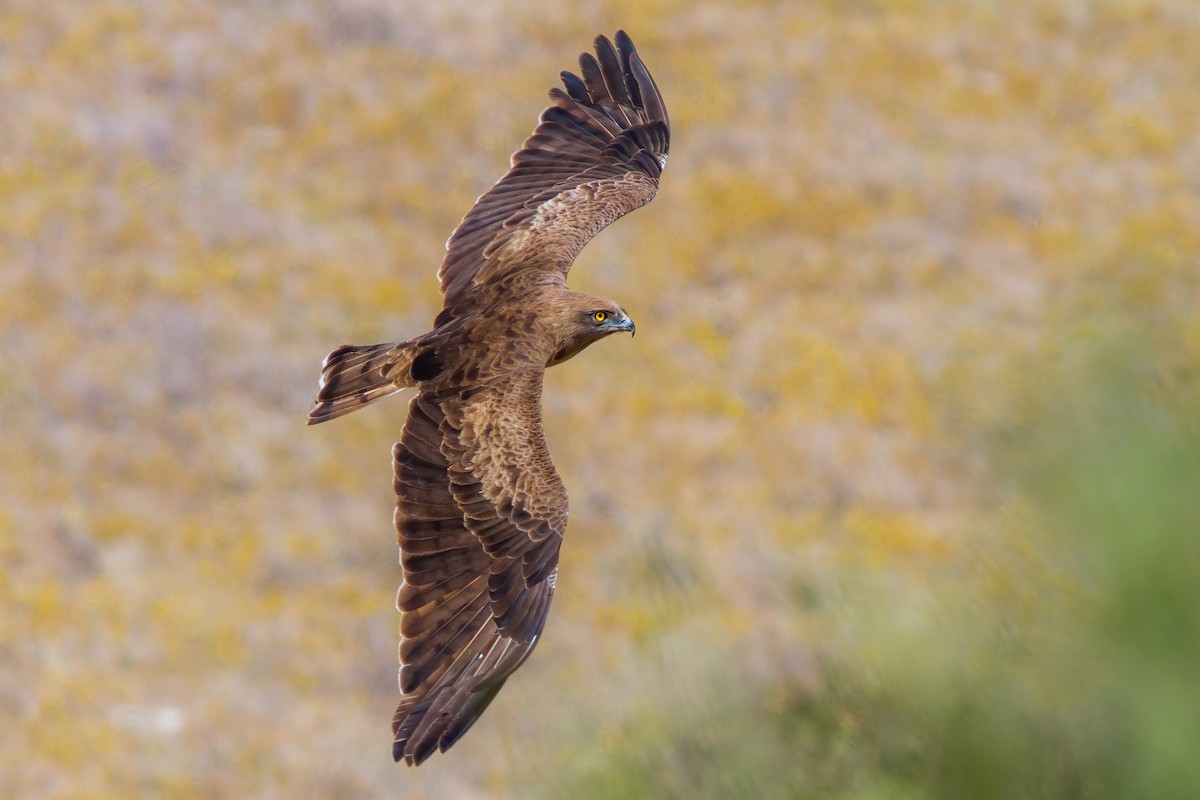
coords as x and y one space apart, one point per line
480 509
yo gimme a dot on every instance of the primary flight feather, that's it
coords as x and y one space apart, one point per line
480 509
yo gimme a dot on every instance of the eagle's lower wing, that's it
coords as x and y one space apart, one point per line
595 155
480 515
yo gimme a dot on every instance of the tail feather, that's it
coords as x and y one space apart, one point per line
354 375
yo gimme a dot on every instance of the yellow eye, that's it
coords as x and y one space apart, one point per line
600 316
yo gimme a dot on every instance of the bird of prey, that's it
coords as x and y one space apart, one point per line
481 511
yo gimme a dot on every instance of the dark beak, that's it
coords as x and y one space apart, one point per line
627 325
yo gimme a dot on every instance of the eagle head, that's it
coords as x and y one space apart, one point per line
585 319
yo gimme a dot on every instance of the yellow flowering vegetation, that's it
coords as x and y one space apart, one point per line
896 494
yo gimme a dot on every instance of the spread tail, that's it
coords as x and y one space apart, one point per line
354 375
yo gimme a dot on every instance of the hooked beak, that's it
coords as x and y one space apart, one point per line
627 325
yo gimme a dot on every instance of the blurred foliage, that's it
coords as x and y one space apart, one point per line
1053 657
894 497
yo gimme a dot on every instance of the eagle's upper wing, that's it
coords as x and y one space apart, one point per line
480 516
596 154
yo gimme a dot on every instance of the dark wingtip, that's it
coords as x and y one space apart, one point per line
413 757
575 87
423 750
624 43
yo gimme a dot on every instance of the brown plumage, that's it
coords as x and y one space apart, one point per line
480 509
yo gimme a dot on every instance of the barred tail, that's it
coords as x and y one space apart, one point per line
353 376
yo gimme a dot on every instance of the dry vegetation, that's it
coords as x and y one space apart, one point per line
824 505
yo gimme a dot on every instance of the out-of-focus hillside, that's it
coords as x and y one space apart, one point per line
892 496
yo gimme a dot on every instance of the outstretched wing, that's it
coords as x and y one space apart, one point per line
480 515
595 155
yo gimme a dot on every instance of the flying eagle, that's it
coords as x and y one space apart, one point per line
480 509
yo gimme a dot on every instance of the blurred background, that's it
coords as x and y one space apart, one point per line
896 496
